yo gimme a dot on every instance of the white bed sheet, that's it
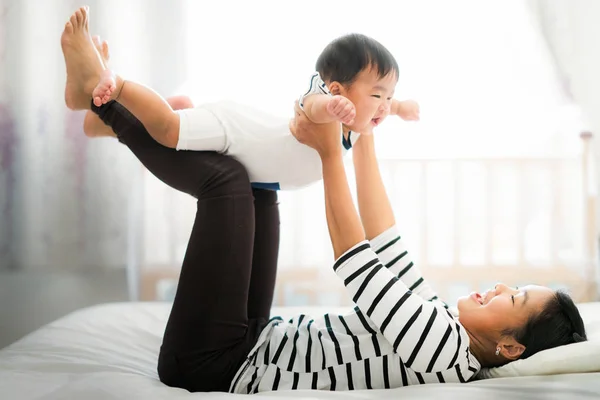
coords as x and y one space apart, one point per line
110 352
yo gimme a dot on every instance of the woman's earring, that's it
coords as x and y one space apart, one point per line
497 351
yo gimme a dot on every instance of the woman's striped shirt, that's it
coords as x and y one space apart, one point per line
398 334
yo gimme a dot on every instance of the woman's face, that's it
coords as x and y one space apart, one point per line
489 314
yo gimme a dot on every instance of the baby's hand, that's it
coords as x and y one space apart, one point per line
342 109
409 110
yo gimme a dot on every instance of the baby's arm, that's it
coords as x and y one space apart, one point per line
322 109
408 110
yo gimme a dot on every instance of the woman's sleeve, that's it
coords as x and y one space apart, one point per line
423 333
393 254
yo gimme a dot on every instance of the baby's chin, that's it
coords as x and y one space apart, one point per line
363 129
372 124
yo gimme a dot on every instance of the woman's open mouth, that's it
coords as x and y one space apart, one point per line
477 297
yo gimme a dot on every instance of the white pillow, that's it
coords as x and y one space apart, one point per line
570 359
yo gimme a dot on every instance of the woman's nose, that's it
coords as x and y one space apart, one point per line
500 287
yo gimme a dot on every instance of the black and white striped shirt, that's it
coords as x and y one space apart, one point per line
399 334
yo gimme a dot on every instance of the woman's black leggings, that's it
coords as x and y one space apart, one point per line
225 290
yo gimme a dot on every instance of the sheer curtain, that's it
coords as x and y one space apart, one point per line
67 202
492 104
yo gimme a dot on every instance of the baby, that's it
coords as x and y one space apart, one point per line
354 84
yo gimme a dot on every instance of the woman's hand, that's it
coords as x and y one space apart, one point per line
324 138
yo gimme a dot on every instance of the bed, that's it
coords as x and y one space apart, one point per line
110 351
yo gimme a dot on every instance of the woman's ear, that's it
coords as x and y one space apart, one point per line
510 348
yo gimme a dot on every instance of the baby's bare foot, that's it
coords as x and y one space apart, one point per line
84 63
106 87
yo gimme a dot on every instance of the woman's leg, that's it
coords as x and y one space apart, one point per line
266 250
209 332
178 169
94 127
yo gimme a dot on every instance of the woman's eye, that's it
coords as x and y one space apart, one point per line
513 299
377 96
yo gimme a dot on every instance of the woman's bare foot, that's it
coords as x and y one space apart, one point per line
94 127
84 65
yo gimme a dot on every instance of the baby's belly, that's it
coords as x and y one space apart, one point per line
266 147
278 160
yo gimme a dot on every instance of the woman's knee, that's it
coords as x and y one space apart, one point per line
230 178
205 371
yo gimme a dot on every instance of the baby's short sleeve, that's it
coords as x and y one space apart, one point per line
317 86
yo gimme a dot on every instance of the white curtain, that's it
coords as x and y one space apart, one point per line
66 201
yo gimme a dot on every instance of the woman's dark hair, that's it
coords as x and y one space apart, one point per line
558 323
344 58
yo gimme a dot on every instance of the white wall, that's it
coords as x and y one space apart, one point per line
572 29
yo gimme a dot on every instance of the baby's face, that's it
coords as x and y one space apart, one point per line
372 97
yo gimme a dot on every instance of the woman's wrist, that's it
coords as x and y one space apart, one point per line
330 155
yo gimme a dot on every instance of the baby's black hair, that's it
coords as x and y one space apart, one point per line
344 58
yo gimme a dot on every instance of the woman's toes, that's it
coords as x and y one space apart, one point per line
79 17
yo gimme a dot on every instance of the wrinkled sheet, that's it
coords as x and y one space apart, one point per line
110 352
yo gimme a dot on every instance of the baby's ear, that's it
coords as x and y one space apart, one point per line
335 88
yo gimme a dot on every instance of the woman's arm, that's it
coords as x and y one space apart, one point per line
378 219
373 203
345 228
425 336
343 222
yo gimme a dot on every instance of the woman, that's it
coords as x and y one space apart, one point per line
219 336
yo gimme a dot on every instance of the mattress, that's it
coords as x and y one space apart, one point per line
110 352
